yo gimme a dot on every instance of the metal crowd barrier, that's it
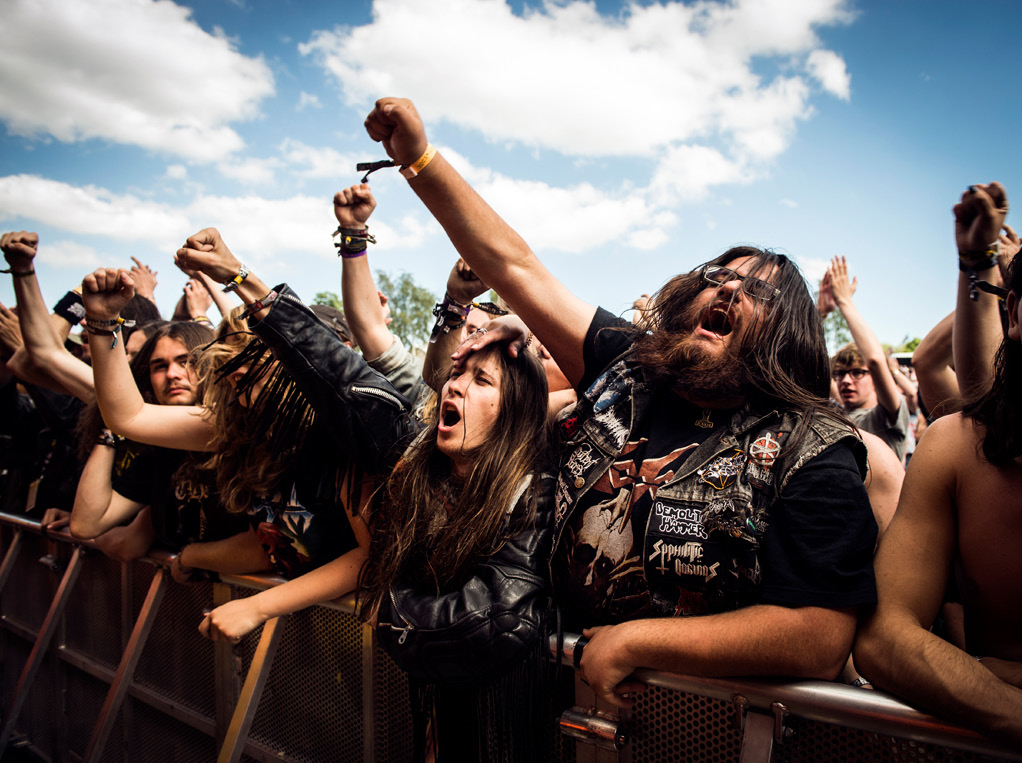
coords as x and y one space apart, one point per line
109 666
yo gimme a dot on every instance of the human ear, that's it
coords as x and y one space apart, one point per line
1013 325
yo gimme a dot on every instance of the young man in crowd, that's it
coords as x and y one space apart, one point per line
960 514
702 472
865 383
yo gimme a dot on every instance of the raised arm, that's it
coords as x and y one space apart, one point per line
933 360
48 362
105 292
489 245
463 286
362 308
366 415
888 394
895 649
979 217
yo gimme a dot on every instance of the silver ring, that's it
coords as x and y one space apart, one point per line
480 330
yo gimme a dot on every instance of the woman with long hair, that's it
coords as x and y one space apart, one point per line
459 525
269 460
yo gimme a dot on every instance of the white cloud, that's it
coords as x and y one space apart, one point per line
828 68
308 100
583 84
71 255
89 210
311 162
250 171
790 203
176 172
128 71
814 268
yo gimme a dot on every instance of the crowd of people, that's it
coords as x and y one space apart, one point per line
697 487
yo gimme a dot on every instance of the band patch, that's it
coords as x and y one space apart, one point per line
723 471
766 448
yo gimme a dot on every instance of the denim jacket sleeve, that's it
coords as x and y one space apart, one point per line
368 418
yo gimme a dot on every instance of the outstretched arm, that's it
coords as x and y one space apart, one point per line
979 217
888 394
105 292
895 649
489 245
933 360
463 286
362 307
47 361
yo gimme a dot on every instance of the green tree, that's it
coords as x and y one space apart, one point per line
835 331
328 298
411 307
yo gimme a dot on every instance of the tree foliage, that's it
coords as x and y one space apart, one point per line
835 331
328 298
411 307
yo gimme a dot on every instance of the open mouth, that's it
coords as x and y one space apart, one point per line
717 320
449 416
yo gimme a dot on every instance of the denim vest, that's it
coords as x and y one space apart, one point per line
701 542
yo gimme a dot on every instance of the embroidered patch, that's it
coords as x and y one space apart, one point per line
758 476
677 521
581 460
722 471
731 517
766 448
569 426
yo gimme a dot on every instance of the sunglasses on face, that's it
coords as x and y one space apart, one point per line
718 275
855 373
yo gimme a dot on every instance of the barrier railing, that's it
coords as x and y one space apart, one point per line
109 665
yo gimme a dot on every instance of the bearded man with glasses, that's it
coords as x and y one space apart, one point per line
702 472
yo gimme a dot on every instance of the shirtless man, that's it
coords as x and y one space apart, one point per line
960 511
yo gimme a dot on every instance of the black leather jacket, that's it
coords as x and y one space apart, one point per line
368 418
495 618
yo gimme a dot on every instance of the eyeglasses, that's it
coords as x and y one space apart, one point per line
754 287
855 373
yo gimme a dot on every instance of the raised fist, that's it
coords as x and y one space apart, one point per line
106 291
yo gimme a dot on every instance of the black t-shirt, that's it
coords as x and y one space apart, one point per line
817 550
185 508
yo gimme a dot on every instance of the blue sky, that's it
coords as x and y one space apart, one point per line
625 142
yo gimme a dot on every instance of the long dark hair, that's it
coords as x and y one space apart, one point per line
189 333
427 527
998 409
785 359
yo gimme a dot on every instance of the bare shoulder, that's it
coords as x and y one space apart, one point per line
952 437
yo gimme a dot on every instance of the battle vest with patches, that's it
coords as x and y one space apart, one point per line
702 539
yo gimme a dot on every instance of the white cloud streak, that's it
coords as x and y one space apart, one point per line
133 72
829 69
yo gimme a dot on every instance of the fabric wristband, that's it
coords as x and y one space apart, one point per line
70 307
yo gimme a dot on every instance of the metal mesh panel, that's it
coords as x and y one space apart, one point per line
812 741
312 706
85 696
93 615
37 719
177 662
673 726
30 583
393 717
160 738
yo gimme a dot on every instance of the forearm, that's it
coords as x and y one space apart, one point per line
977 333
898 655
241 553
503 261
436 366
362 307
806 642
222 301
872 353
93 513
326 583
56 369
37 331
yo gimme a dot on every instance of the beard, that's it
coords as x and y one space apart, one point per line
702 376
681 360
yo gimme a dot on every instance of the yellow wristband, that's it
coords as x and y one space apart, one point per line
411 170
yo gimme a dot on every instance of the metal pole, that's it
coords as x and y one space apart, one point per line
42 643
126 668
